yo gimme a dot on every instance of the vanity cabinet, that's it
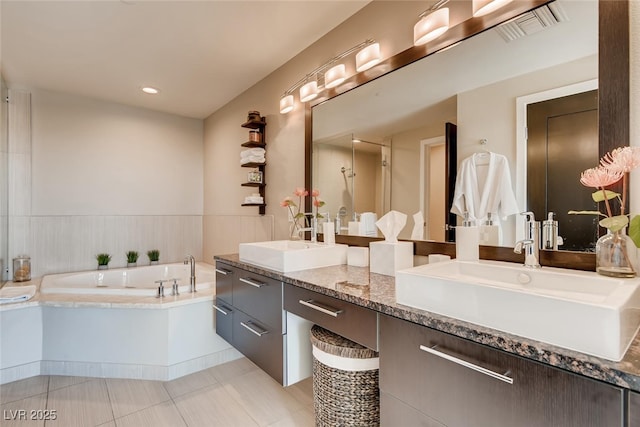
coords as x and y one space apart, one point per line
356 323
634 409
441 379
258 127
250 317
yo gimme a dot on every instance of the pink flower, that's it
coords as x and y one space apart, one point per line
300 192
599 177
315 193
623 159
318 203
286 202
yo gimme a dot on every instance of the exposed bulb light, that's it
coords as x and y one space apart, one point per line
484 7
150 90
368 57
431 26
335 75
309 91
286 104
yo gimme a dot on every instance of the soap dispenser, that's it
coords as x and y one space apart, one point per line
550 233
467 240
489 232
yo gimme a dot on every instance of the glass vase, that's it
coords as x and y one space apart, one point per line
294 229
616 255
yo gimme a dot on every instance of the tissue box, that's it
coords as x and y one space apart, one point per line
387 258
358 256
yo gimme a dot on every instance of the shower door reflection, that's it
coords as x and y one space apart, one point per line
353 176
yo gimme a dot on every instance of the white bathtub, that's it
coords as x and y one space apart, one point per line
129 281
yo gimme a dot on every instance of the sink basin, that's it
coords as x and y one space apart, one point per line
292 255
577 310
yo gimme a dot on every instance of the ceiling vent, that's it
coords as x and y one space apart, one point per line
532 22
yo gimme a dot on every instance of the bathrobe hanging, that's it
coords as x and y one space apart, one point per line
483 185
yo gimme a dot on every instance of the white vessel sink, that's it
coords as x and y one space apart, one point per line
577 310
290 255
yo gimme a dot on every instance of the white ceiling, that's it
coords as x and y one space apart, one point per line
200 54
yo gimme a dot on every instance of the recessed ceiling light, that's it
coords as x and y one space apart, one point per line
151 90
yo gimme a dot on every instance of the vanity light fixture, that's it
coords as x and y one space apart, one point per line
309 91
286 103
484 7
368 57
432 24
335 76
150 90
331 74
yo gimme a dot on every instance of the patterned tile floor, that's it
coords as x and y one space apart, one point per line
233 394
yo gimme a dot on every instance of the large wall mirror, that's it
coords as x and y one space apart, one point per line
379 146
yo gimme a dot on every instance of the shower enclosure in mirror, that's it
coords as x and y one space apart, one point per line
354 176
475 85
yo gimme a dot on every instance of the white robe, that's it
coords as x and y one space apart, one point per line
484 187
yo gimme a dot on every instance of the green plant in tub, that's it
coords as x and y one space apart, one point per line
153 254
132 257
103 259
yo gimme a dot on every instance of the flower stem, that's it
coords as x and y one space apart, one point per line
624 193
606 202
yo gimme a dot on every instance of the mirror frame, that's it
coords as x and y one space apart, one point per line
613 110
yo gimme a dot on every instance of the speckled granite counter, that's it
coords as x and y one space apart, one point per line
377 292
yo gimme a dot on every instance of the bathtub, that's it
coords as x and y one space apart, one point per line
137 281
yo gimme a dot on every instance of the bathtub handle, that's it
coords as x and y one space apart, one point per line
253 283
223 271
160 293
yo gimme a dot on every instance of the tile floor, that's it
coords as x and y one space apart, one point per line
233 394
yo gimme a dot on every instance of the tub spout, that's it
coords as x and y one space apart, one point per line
189 259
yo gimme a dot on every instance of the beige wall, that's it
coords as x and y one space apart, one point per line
285 133
91 176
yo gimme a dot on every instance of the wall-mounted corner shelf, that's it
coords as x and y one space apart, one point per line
256 125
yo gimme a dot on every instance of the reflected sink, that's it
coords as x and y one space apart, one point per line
292 255
577 310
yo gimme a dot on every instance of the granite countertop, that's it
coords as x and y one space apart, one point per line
377 292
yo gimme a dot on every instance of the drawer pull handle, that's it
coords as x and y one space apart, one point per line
501 377
252 283
321 308
223 271
220 310
250 329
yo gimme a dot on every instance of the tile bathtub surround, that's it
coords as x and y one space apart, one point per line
377 292
236 393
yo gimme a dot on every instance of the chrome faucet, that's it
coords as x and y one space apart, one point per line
189 259
531 242
313 227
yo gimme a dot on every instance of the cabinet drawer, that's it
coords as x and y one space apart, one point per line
634 409
461 383
224 282
259 296
356 323
260 343
394 413
224 319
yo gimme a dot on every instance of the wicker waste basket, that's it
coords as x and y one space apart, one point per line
345 381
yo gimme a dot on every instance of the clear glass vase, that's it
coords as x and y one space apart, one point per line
616 255
294 229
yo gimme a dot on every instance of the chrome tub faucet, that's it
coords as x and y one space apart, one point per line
189 259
